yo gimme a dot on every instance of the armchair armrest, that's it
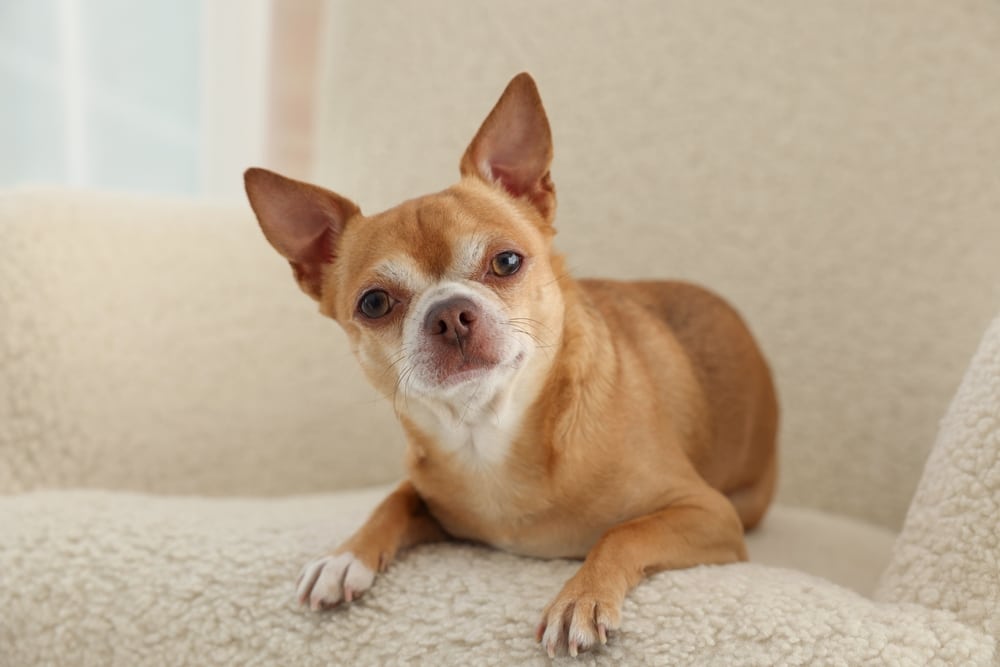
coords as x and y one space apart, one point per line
159 345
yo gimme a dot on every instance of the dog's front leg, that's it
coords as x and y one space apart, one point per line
703 528
400 521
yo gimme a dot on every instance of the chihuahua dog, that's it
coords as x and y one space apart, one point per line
628 424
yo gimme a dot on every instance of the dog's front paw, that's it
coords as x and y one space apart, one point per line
330 580
579 618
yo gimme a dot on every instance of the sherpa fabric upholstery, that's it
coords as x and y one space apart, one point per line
109 577
99 578
948 555
159 345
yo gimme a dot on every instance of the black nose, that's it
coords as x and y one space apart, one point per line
451 318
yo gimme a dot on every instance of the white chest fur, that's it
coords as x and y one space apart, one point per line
478 435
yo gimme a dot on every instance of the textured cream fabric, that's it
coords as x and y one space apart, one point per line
120 370
948 555
111 578
831 167
163 346
99 578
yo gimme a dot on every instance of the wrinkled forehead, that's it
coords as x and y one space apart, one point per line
445 236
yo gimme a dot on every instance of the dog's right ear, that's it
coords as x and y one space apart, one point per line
301 221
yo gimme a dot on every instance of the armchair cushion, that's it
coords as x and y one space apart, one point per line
106 578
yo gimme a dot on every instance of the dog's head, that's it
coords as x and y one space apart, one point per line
448 297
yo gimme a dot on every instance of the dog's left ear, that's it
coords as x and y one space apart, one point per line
513 148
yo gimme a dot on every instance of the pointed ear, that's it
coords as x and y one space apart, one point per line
301 221
514 147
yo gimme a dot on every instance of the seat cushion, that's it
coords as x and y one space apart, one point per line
99 578
842 549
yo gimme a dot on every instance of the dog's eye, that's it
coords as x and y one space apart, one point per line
506 263
375 304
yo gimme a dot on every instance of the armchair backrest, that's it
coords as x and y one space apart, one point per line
831 168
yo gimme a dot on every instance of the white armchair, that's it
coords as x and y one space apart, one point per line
180 430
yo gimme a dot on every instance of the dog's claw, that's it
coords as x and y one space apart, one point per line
578 620
307 579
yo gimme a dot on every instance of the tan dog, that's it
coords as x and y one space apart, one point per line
630 424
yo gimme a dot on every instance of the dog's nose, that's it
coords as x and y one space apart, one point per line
451 318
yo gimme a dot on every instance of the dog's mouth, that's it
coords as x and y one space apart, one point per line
471 369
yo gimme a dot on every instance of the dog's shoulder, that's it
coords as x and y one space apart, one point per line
681 305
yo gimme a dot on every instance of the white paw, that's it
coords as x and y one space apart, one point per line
579 619
330 580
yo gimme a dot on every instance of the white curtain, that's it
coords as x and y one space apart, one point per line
169 96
